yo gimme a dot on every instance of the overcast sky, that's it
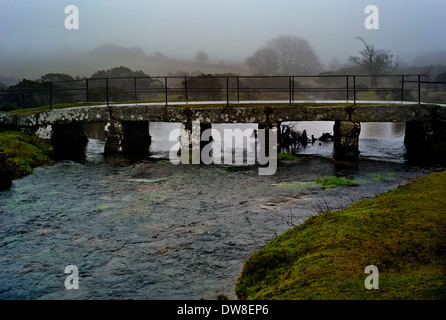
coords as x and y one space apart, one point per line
225 29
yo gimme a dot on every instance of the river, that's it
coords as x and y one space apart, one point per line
148 229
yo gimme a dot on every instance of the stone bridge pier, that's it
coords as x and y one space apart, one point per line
425 140
127 137
69 140
346 139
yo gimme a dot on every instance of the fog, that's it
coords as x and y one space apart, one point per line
139 33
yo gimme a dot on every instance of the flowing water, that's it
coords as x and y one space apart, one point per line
148 229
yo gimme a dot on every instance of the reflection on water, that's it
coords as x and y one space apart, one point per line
160 131
382 141
161 144
95 150
382 130
378 141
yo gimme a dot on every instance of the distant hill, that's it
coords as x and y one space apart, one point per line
432 58
9 81
113 51
84 63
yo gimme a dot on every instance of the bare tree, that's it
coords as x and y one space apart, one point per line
296 56
334 64
374 61
264 61
201 56
288 55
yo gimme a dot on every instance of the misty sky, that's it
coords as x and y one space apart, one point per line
225 29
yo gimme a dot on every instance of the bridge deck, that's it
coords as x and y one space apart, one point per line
243 112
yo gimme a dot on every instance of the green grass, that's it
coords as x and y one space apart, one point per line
20 153
402 232
286 156
27 111
294 184
335 182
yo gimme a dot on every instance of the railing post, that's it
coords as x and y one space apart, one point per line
402 88
292 86
354 90
227 91
289 85
165 88
185 87
238 90
134 88
51 96
88 95
347 87
106 90
419 89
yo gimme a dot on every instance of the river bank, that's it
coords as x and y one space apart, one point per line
402 232
148 229
19 154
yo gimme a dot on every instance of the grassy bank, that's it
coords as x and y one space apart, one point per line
19 154
27 111
402 232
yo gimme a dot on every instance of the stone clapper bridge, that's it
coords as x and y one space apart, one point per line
127 125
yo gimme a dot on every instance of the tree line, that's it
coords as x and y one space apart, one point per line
283 55
67 89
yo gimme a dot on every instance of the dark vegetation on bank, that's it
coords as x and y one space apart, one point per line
19 154
67 90
402 232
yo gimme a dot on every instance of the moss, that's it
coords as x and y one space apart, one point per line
402 232
378 177
286 156
20 153
294 184
102 207
336 182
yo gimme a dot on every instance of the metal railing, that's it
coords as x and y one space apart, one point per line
228 89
